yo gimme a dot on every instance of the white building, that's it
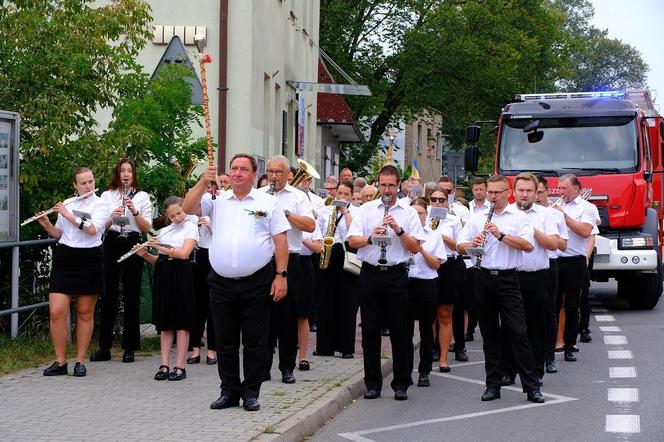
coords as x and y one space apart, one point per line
258 47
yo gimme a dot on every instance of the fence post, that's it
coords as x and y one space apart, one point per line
14 289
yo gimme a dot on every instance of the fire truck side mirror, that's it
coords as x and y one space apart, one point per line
472 134
471 158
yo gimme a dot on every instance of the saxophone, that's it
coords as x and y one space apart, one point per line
328 239
434 223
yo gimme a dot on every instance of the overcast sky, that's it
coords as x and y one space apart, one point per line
640 23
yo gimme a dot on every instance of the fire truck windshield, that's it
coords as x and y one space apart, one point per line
597 144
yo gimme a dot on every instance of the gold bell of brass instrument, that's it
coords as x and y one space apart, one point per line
434 223
305 171
328 239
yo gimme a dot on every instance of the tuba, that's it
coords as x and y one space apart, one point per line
328 239
305 171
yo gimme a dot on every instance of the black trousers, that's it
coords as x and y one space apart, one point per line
470 298
458 320
422 294
534 292
571 273
337 306
130 271
283 323
551 324
584 306
499 305
241 308
202 293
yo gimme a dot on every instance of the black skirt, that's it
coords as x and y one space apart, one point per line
173 301
448 282
77 270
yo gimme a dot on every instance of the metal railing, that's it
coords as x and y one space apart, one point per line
15 308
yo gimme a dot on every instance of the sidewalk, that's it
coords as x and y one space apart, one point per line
119 401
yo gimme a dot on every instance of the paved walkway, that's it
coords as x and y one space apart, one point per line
119 401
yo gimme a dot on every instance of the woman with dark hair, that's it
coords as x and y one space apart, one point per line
262 181
131 217
77 269
173 304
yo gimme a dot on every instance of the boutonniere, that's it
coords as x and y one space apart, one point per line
256 213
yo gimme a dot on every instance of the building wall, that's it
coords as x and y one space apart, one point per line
423 142
270 42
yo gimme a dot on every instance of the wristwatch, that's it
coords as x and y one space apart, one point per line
400 232
283 274
369 241
286 213
502 235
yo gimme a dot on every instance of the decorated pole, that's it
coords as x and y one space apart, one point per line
201 41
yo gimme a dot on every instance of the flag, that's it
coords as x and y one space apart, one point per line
415 173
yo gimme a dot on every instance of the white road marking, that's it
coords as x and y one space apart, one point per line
605 318
623 394
622 372
358 436
610 328
622 423
615 340
620 354
462 364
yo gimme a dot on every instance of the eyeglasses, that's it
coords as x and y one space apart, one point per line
330 188
497 192
276 172
438 200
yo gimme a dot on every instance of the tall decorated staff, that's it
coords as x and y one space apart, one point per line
201 42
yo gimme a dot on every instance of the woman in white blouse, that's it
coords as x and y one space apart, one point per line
77 270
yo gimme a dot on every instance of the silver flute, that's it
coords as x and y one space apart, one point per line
145 244
51 210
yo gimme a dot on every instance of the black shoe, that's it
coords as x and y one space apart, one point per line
423 380
323 353
436 355
551 367
400 395
177 374
304 365
128 356
287 377
570 356
491 394
506 380
224 401
385 332
574 348
469 337
80 370
56 369
251 404
347 356
585 336
372 393
535 396
444 369
101 355
194 360
461 356
313 328
210 361
162 373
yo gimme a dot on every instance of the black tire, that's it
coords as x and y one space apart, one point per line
641 292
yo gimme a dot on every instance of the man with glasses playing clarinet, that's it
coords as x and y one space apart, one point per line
384 279
504 234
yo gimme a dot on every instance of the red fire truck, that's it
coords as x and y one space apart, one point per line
613 141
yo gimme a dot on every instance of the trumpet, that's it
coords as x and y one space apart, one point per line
144 245
485 234
51 210
587 193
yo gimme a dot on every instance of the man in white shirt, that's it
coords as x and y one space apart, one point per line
384 278
479 201
504 237
248 228
580 218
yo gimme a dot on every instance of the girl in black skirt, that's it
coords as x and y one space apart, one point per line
77 269
172 287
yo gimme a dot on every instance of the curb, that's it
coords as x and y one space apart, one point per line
306 422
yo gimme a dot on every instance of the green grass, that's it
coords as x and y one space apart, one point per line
270 429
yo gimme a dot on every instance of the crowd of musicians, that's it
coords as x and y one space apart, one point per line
254 264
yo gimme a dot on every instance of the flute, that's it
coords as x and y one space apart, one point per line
144 245
51 210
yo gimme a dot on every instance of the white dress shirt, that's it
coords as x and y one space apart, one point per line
475 208
72 236
241 237
317 203
204 234
559 220
142 203
581 211
310 236
370 215
341 230
296 202
433 244
461 211
499 256
450 226
174 235
538 259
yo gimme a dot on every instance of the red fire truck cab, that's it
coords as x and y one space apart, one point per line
612 141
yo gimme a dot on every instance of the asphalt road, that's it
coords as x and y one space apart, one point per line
588 400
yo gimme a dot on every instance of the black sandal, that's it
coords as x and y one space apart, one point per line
162 374
177 374
304 365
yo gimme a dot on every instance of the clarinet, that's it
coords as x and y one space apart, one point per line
485 234
382 244
273 187
125 193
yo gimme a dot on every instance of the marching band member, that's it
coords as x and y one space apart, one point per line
479 201
423 293
312 243
383 286
337 297
77 269
504 237
125 198
173 303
